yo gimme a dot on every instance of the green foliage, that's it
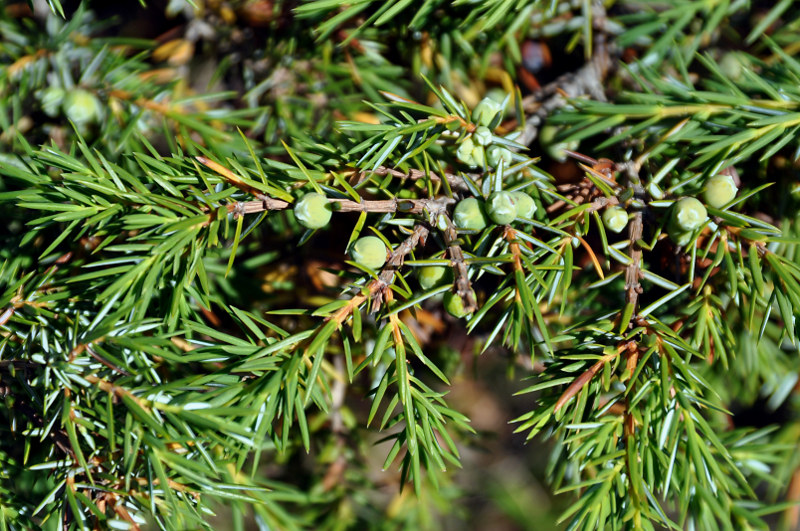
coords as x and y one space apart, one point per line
183 331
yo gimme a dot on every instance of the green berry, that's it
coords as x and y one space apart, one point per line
677 234
500 208
369 251
495 154
689 214
615 219
720 190
313 211
469 214
455 305
556 150
432 276
464 152
51 100
524 204
485 111
732 66
82 106
482 136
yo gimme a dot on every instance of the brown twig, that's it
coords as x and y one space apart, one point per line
602 202
116 390
581 381
406 206
105 362
268 203
633 271
264 202
395 262
510 235
791 515
462 283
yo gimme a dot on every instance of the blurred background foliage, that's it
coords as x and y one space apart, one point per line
150 331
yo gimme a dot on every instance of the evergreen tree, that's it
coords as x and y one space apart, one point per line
267 260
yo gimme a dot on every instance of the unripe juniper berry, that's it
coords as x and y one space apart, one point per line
469 214
369 251
500 208
313 211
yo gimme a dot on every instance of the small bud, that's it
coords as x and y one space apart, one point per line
469 214
720 190
482 136
485 111
689 214
432 276
313 211
369 251
732 65
455 305
51 100
82 107
524 204
615 219
464 152
500 208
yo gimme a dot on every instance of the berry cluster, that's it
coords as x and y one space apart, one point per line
313 210
689 214
501 208
477 149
